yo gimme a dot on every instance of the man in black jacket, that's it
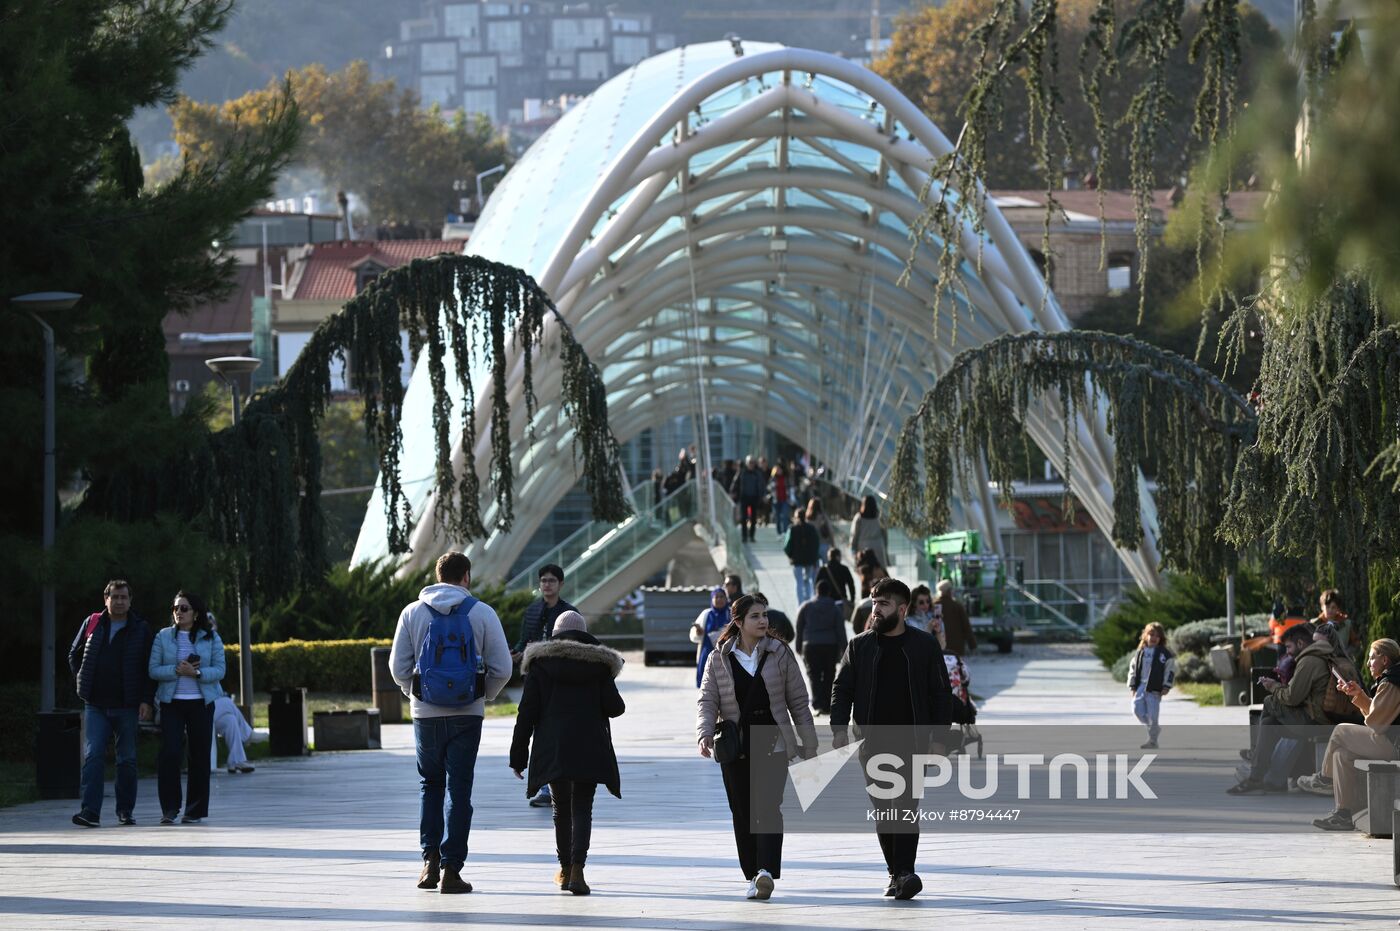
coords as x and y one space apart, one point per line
893 683
749 487
537 624
109 658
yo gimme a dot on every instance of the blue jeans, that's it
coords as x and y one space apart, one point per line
446 750
100 725
780 517
806 577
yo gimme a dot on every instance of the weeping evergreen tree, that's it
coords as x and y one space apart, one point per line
1312 474
259 484
1162 409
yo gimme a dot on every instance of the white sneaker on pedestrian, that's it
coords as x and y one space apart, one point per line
753 889
763 885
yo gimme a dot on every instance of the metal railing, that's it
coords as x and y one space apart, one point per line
598 550
1046 604
569 550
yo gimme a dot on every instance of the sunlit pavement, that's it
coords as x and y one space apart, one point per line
331 840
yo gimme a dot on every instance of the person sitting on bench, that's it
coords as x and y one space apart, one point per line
1373 740
1295 705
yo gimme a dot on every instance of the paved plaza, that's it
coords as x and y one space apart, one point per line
331 841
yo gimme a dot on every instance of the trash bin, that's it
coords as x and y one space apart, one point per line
388 698
286 722
58 754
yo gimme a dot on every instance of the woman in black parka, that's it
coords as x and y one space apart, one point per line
570 693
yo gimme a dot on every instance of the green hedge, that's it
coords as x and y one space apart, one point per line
317 665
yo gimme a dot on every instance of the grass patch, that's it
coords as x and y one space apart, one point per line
502 709
17 784
1203 693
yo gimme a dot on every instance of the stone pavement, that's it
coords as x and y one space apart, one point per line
330 841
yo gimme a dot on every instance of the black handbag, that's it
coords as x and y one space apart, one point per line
731 739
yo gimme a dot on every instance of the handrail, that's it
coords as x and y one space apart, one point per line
1055 613
526 578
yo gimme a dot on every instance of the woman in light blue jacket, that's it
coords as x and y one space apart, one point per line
187 663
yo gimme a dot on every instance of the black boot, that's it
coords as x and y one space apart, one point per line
452 882
428 879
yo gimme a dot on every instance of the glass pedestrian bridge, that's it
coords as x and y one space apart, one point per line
728 234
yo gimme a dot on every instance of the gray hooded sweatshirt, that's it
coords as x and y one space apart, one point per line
413 631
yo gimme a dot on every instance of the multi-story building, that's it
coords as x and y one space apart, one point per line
490 57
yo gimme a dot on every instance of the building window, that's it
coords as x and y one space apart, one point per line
479 71
593 66
437 56
475 101
628 50
1120 272
559 74
437 89
461 20
504 36
570 34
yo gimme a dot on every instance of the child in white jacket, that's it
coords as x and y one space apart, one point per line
1150 678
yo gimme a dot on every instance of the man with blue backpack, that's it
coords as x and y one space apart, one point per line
449 656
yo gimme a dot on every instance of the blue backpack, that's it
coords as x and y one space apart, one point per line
450 670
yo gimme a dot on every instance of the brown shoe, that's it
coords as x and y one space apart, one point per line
576 884
428 879
452 882
561 878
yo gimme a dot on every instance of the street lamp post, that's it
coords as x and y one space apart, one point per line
228 368
480 199
37 305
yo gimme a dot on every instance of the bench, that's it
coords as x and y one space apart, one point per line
1395 840
347 730
1376 819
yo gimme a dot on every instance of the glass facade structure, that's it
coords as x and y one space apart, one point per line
728 234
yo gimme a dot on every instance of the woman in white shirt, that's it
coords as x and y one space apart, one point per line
187 663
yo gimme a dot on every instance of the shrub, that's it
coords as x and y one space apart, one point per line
1192 667
1197 636
19 702
1119 669
317 665
1185 598
358 602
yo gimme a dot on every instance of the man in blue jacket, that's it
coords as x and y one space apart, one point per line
108 659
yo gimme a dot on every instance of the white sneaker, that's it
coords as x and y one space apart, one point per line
763 885
753 889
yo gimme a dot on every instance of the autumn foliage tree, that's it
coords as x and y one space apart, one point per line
362 135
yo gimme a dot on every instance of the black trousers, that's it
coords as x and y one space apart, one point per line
573 820
899 838
820 659
185 724
748 515
756 805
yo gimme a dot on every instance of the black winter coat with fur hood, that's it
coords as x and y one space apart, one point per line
570 693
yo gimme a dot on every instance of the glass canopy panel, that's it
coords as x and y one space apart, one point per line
540 199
